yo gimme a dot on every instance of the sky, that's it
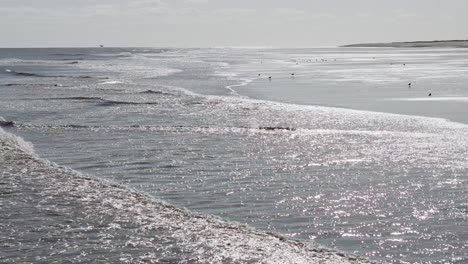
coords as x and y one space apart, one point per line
221 23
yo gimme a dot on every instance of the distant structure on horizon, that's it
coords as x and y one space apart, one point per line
101 46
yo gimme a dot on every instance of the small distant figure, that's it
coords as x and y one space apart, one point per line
269 78
101 46
259 74
292 74
409 85
430 94
404 64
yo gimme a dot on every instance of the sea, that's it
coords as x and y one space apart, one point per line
234 155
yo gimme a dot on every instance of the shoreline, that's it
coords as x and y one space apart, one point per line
412 44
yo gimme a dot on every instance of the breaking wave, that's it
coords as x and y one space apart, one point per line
271 130
29 74
10 143
155 92
102 101
138 227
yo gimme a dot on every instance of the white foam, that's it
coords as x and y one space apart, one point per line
336 111
129 68
14 61
243 82
112 82
430 124
11 142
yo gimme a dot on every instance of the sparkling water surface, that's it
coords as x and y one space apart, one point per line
344 152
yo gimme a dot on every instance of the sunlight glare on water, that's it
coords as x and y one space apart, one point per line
382 185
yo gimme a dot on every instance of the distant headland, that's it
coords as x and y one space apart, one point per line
415 44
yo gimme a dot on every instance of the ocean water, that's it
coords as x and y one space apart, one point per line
335 148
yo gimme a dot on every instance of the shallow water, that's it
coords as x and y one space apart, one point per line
54 215
199 129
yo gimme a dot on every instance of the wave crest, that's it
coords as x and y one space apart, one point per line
29 74
10 142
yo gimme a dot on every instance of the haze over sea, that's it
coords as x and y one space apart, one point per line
336 148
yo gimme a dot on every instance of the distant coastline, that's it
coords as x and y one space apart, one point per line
414 44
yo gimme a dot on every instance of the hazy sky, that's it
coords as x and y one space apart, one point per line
203 23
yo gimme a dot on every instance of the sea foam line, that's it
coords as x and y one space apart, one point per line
329 110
